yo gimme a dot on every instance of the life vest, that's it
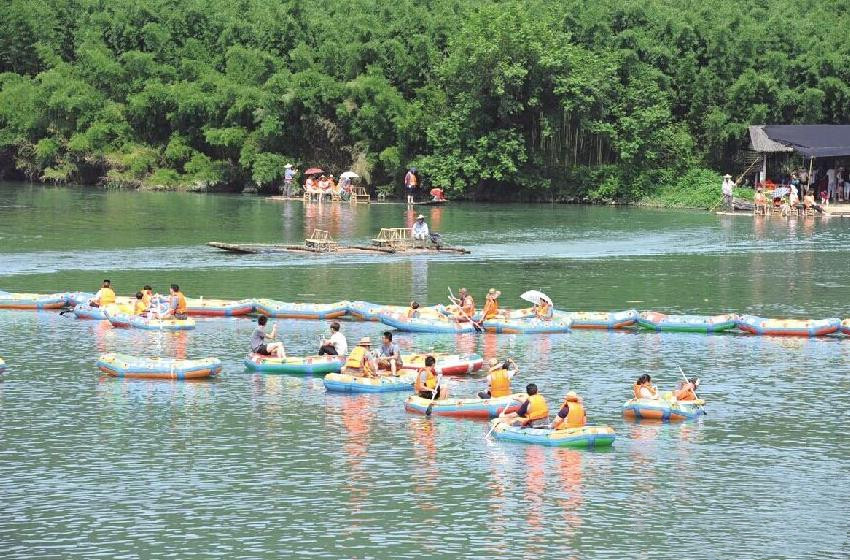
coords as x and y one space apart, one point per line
355 358
500 383
686 393
537 408
146 298
107 296
491 308
178 302
430 379
139 307
543 311
575 416
468 306
412 182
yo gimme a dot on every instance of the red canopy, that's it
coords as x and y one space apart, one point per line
313 171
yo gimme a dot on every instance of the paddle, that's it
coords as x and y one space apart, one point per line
433 395
702 408
499 417
476 326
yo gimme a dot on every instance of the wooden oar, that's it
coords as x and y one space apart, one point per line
434 392
499 417
475 325
702 408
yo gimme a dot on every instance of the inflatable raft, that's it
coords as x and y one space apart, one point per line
219 307
294 365
86 311
73 299
447 364
31 301
586 437
662 409
127 321
425 325
344 383
788 327
122 365
599 320
655 321
466 408
284 310
367 311
531 325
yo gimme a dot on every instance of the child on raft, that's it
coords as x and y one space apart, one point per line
259 337
644 389
427 383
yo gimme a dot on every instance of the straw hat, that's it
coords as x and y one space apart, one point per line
420 217
727 176
288 166
572 396
493 292
365 341
493 362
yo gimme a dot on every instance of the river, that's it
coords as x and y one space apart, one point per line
254 466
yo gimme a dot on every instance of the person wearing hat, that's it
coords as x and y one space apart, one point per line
572 413
499 379
464 306
288 177
688 390
491 304
420 231
360 362
728 185
411 181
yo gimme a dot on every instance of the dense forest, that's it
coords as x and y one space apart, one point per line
505 99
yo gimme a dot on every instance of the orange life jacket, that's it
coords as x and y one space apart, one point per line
107 296
537 408
139 307
491 308
576 417
430 379
500 383
542 310
686 393
468 306
180 304
146 298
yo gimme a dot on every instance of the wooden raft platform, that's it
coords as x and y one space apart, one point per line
265 248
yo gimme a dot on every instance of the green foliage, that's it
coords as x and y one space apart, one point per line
613 100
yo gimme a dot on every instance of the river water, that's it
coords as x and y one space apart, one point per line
254 466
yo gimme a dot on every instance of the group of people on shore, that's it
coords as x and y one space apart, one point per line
146 302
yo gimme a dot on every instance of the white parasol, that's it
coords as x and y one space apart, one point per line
350 175
535 297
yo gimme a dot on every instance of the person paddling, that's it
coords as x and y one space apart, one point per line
260 336
360 362
464 306
499 379
491 304
644 389
572 413
688 390
533 413
104 296
426 385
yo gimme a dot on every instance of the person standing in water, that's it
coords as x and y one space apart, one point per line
411 181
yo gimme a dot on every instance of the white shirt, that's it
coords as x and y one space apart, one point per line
339 343
727 186
830 174
420 230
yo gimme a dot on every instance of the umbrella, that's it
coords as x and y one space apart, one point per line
313 171
535 297
350 175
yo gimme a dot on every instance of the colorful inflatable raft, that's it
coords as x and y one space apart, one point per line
127 321
599 320
425 325
788 327
122 365
219 307
656 321
317 311
531 325
294 365
448 364
344 383
77 298
86 311
465 408
662 409
586 437
31 301
367 311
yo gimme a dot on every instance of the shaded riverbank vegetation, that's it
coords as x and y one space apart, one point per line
510 100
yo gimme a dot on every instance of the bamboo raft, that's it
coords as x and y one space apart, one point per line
267 248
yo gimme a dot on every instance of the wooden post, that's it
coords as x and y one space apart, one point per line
763 174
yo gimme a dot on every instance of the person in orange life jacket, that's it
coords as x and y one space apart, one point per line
542 310
260 336
389 355
491 304
147 295
572 413
464 306
104 296
360 362
426 385
139 307
499 379
176 303
533 413
687 392
644 389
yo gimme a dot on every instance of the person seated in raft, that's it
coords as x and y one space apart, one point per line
542 310
572 413
427 382
419 231
687 392
533 413
644 389
258 340
464 307
413 310
491 304
389 355
360 362
499 379
104 296
147 295
336 345
139 307
176 304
